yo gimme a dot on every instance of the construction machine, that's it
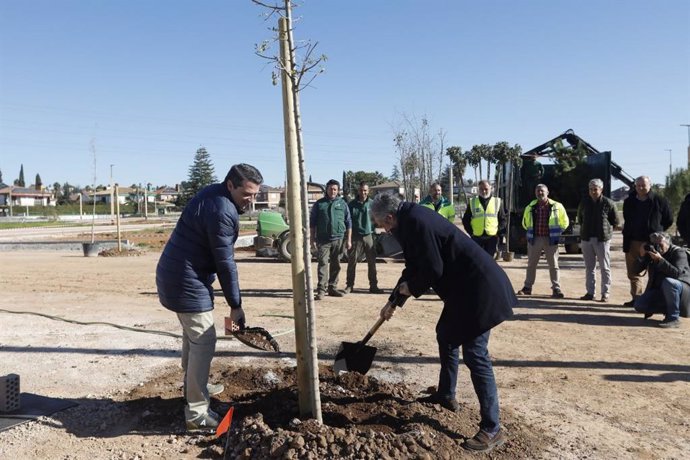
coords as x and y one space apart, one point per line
565 164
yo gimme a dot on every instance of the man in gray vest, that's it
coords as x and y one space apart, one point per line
330 223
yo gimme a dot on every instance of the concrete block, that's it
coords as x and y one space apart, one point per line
9 393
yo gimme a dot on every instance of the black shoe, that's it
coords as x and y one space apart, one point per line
629 303
444 401
670 323
557 294
319 295
348 289
483 442
648 315
376 290
587 297
335 293
525 291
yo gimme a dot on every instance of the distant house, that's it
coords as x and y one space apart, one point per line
268 197
104 196
168 194
11 195
392 187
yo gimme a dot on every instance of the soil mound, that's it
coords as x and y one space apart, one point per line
362 418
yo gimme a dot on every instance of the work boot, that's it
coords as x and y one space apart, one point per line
588 297
444 401
348 289
376 290
335 293
484 442
604 298
206 422
557 294
319 295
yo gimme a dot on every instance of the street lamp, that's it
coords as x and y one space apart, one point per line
688 126
670 167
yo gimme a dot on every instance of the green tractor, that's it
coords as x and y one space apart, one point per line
273 231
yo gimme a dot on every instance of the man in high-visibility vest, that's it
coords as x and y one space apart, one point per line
544 219
484 218
439 203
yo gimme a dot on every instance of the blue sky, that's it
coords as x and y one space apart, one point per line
150 81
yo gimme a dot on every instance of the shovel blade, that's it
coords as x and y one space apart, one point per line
354 357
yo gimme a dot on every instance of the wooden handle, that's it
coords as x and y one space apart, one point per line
373 330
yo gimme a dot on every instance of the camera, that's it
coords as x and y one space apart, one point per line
649 247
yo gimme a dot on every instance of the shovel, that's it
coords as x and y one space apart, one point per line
357 357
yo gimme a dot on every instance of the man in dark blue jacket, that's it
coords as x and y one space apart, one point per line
476 293
201 247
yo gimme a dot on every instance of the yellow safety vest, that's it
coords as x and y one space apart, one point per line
485 220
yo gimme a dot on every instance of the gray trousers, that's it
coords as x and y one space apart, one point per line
534 254
362 243
594 251
198 346
328 256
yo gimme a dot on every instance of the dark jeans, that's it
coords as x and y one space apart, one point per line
487 243
475 355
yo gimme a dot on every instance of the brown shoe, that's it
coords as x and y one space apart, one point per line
483 442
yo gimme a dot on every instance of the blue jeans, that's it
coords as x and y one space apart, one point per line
665 299
475 355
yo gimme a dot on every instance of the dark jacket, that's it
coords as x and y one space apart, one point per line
683 221
674 264
476 292
200 246
600 214
659 219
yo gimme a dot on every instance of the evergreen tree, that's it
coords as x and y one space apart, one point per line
201 174
1 176
38 183
20 182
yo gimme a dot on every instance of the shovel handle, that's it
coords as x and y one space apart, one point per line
373 330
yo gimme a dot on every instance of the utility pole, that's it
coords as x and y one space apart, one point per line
688 126
670 166
112 194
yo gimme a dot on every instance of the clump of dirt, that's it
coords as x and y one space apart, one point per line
113 252
362 418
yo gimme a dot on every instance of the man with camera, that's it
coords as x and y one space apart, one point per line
668 287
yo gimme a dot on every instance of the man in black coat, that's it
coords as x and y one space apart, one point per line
201 247
476 294
644 212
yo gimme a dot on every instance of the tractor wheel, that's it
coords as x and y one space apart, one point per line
284 246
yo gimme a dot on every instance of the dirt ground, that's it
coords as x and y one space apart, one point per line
576 379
